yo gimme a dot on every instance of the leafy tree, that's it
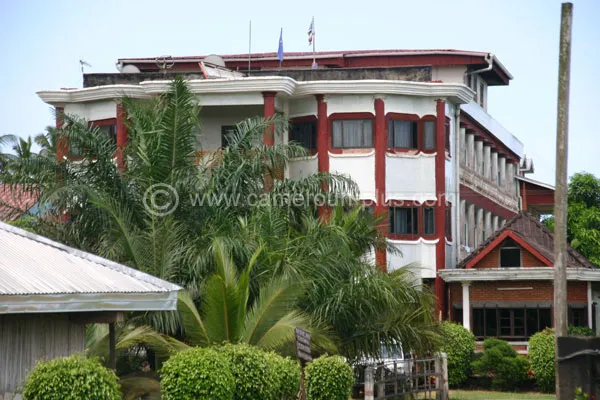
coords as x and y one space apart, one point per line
583 216
208 245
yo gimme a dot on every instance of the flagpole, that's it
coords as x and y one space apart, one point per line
313 43
249 46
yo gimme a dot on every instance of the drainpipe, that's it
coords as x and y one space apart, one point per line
490 60
456 178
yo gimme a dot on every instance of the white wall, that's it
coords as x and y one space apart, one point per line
303 167
419 252
410 177
454 74
230 99
350 103
93 111
360 167
410 105
302 107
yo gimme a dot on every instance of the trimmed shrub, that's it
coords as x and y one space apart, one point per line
254 375
198 373
501 362
287 374
459 345
74 378
329 378
541 358
580 331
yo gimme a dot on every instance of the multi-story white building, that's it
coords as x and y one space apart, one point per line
410 127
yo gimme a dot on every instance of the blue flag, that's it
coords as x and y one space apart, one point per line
280 50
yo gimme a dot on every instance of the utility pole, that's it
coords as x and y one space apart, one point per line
560 195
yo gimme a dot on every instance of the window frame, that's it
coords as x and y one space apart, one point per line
515 247
415 135
306 120
480 325
416 225
350 117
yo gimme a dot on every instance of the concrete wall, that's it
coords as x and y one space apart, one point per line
213 118
360 167
26 338
94 110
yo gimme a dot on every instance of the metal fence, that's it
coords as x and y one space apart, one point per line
424 378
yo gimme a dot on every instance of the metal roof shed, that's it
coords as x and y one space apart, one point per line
49 291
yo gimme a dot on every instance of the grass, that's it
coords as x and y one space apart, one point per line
486 395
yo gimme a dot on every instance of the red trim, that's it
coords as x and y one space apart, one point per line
322 134
440 209
269 112
380 143
523 197
352 115
104 122
496 242
121 137
480 201
421 223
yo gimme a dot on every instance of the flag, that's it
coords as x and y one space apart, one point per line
280 49
311 31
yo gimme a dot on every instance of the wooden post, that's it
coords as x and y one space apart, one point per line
560 195
112 344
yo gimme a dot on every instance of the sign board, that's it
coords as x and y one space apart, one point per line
303 345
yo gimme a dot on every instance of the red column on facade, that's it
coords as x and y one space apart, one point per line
440 209
322 134
121 137
269 112
523 197
62 145
380 151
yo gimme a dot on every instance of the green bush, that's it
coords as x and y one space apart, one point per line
329 378
72 378
254 375
541 358
287 374
501 362
459 345
198 373
580 331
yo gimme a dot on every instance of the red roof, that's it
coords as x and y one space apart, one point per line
15 201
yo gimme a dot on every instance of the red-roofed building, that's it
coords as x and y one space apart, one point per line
15 201
504 288
410 127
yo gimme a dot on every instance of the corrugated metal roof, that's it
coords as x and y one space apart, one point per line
31 264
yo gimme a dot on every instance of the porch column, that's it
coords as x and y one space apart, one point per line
381 144
440 209
464 152
470 159
494 176
472 231
487 161
589 304
269 112
478 228
478 167
121 137
464 224
495 224
322 134
466 305
502 169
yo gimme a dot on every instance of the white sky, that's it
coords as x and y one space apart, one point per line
42 41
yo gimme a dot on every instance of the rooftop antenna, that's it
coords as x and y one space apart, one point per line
164 63
83 65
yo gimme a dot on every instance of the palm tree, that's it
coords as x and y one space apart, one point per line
203 247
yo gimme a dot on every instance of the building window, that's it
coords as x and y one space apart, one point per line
429 135
510 323
448 216
510 254
110 131
403 134
577 316
429 221
226 132
404 220
354 133
305 134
